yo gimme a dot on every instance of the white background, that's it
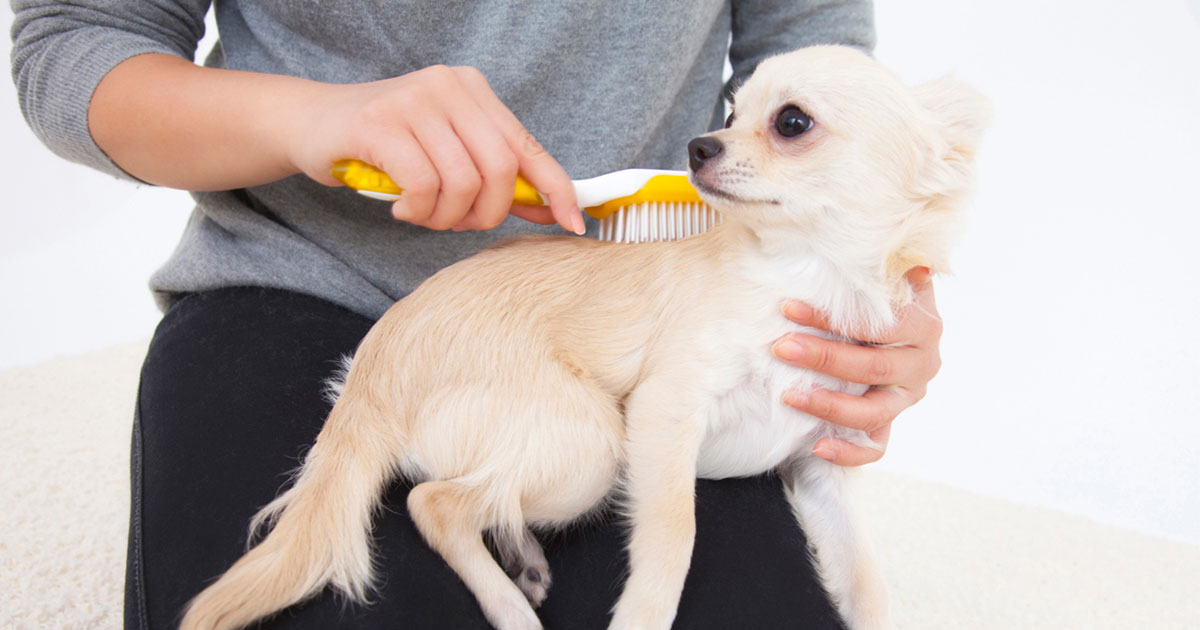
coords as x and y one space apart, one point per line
1072 348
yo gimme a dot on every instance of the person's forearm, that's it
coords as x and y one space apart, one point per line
442 131
172 123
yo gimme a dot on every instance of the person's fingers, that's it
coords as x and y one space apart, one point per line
426 131
552 181
901 367
869 365
870 412
495 162
533 161
805 315
403 159
379 130
459 179
921 280
445 137
540 215
498 171
918 321
846 453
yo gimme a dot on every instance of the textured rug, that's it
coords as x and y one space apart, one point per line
952 559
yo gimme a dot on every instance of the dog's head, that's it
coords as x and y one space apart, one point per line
826 143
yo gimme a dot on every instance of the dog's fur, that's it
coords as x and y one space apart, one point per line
518 388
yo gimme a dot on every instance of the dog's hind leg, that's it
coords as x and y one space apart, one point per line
522 557
452 516
816 490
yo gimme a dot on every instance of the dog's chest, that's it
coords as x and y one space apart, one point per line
750 429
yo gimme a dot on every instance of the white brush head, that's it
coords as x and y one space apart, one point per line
653 222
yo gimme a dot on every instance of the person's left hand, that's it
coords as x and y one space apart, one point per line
898 373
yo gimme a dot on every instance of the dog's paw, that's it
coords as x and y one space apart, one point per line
525 562
534 581
634 612
513 613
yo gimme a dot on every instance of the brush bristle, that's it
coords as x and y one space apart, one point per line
652 222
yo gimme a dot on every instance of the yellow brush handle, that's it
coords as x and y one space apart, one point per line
663 189
362 176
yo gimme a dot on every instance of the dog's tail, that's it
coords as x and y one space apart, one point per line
321 532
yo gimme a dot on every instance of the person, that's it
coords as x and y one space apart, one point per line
279 272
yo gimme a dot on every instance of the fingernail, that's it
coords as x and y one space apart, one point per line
824 452
795 398
577 222
797 310
789 349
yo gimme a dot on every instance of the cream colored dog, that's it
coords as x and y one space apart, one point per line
521 387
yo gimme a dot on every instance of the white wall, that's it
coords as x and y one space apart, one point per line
76 246
1072 353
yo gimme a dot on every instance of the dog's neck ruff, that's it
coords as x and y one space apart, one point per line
849 289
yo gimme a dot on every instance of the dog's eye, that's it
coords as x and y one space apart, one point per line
792 122
729 121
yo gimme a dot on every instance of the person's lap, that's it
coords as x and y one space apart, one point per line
232 395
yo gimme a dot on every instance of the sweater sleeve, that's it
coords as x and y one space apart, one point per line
61 51
762 28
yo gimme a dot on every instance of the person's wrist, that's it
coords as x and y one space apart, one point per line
293 122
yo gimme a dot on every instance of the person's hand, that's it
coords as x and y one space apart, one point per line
899 372
445 137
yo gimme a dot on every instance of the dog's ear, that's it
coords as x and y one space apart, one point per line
958 115
962 112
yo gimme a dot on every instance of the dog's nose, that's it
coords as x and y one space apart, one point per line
703 149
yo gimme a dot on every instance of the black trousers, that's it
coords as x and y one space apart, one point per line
230 398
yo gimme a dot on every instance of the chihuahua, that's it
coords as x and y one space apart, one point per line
526 386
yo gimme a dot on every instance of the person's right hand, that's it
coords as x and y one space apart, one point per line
444 136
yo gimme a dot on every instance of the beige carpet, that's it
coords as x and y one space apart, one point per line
953 559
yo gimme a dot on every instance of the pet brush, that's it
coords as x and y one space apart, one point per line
633 206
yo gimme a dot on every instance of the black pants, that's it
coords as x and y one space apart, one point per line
230 398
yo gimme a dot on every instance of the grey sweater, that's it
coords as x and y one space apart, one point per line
603 84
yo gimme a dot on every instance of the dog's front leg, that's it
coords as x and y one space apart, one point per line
816 490
662 444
